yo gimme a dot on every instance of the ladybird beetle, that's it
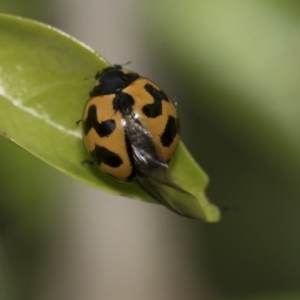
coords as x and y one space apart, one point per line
131 131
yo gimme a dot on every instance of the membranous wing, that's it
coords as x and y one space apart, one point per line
152 171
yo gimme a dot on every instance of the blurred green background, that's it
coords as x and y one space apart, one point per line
234 66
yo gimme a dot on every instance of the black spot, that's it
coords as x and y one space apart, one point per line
105 128
112 79
170 132
154 109
123 103
91 119
132 176
103 155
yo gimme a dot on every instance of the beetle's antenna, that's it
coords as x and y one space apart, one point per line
127 63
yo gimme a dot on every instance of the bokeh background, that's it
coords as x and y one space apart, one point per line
234 68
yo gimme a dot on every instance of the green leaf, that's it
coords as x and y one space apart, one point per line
42 94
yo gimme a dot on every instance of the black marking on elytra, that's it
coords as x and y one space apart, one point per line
91 119
170 132
103 155
154 109
132 176
112 80
103 129
123 103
